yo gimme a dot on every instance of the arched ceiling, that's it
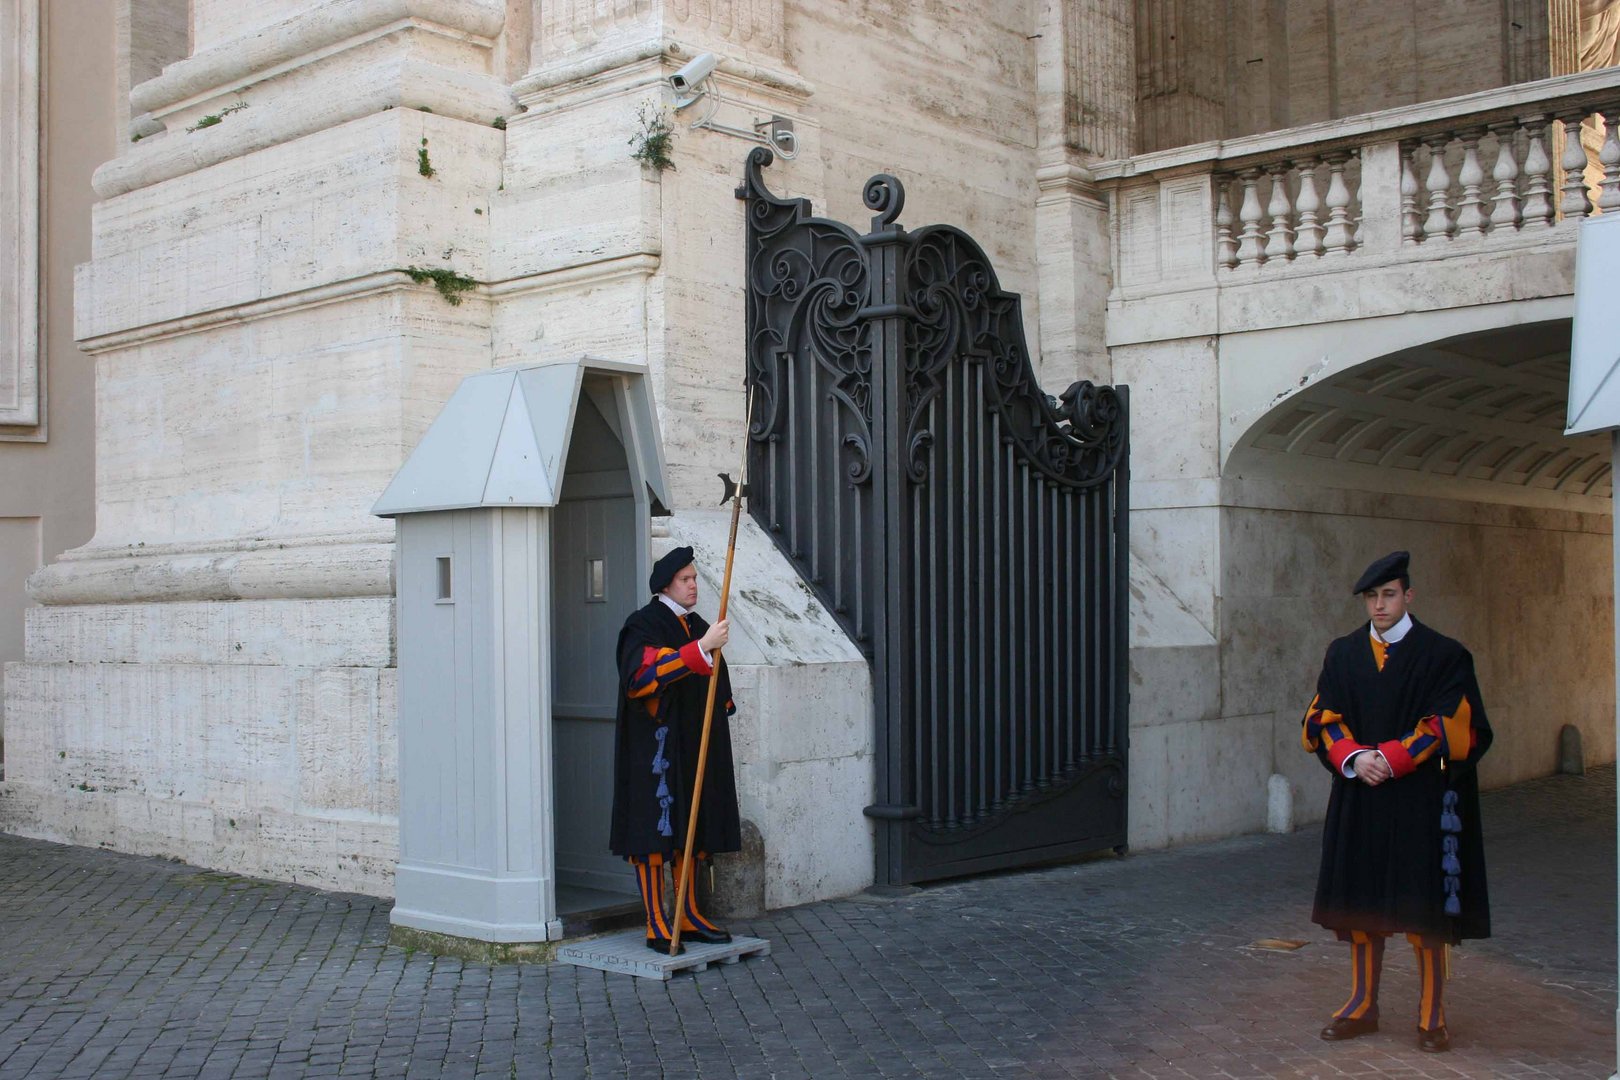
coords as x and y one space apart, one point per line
1484 407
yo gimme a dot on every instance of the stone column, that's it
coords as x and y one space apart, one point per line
1181 66
211 676
1085 113
595 252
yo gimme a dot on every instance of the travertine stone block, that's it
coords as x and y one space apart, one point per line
291 218
293 633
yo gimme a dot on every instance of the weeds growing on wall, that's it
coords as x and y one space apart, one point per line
449 283
654 138
423 165
215 118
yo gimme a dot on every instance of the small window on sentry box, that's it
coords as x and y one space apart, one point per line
443 563
595 581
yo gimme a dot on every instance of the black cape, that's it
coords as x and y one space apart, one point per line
1381 846
656 758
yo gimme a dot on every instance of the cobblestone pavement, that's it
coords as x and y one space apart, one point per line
112 965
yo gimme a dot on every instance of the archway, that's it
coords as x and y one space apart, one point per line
1453 449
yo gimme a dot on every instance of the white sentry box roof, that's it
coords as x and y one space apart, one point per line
502 438
1594 351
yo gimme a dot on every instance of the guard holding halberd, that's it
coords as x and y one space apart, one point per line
1399 722
660 724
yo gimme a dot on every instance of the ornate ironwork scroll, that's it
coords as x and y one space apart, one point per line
968 532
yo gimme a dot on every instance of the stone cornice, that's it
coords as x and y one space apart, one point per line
384 281
1069 180
460 95
537 83
313 31
1599 88
352 289
317 567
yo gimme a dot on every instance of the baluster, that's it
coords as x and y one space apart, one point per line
1250 251
1308 238
1438 183
1280 240
1470 212
1575 203
1411 220
1225 242
1505 202
1538 208
1338 238
1609 157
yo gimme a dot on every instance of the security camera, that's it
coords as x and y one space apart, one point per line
685 81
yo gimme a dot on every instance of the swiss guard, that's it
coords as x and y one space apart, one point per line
665 651
1399 722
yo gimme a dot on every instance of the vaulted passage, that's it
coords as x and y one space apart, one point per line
1454 450
1486 407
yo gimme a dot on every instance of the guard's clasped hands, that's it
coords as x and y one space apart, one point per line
1372 769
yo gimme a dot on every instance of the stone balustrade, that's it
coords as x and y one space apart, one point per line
1493 169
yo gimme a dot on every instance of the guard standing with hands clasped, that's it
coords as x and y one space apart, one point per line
660 724
1399 722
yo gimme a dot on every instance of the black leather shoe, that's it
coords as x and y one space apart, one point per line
1437 1041
663 947
1343 1028
706 937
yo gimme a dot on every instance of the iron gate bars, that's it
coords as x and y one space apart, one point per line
967 532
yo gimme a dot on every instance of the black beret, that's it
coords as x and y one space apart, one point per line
1389 568
665 569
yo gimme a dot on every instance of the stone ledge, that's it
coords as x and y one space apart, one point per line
305 33
291 570
327 96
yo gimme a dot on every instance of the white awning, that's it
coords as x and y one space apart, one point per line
1594 354
502 438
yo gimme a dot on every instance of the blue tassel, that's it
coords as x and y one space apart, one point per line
660 764
1453 906
1450 822
1450 865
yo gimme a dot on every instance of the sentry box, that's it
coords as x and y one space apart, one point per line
522 537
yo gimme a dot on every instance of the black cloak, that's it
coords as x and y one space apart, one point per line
655 758
1382 846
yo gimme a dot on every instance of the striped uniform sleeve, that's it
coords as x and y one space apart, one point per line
1325 733
1452 737
662 668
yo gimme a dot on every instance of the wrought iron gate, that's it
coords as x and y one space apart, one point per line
968 532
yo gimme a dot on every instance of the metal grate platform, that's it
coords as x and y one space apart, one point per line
627 954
